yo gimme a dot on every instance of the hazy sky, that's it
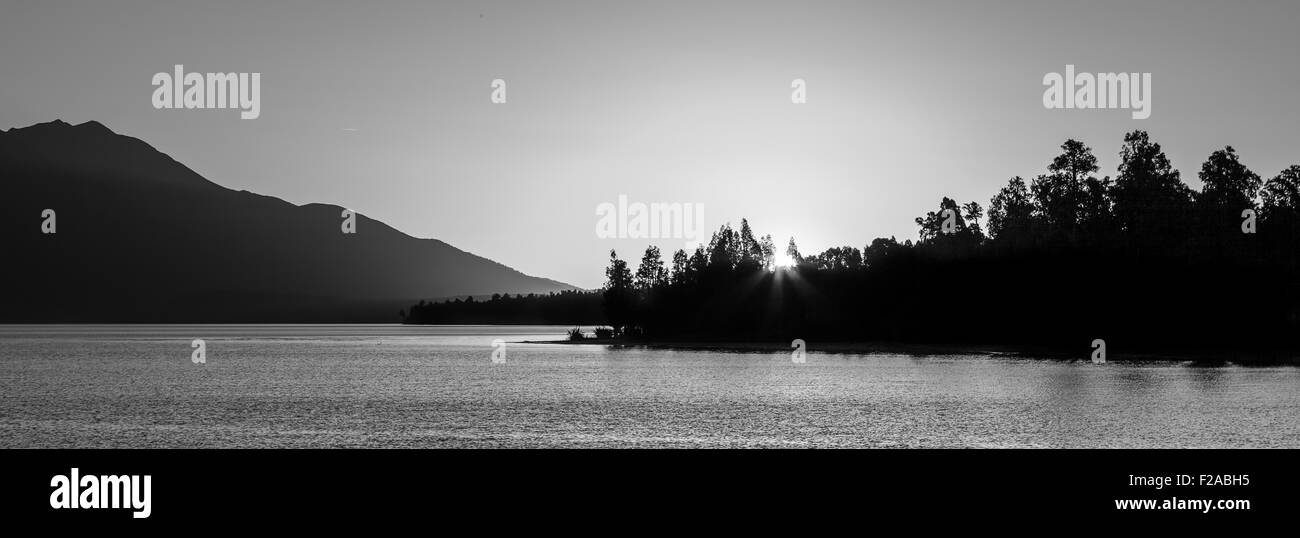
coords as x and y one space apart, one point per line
383 107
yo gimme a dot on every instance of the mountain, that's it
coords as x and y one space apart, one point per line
141 238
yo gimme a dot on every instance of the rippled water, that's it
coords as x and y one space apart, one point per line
394 386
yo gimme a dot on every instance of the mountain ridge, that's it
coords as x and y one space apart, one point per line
140 237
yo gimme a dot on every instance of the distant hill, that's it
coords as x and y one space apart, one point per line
142 238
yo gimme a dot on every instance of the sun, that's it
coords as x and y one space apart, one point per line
783 260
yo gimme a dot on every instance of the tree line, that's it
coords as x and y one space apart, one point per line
570 307
1140 259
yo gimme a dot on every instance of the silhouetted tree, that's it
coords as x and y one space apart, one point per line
681 270
932 224
879 249
1059 196
1228 183
768 250
1282 192
792 251
1096 216
650 273
961 236
1150 198
1011 210
1280 214
972 213
699 262
837 258
750 250
723 250
619 294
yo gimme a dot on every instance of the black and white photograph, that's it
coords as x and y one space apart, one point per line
962 244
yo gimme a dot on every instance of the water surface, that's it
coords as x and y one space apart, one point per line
437 386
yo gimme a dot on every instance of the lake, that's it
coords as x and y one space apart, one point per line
93 386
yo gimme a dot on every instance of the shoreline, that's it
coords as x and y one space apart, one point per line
1240 357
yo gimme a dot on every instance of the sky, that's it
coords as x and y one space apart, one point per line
385 107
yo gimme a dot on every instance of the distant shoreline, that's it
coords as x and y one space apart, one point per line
1082 353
